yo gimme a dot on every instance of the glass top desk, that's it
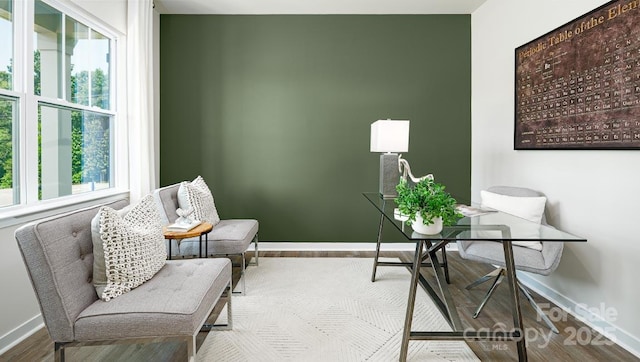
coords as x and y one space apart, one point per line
493 226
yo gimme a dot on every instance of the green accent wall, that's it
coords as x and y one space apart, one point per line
274 111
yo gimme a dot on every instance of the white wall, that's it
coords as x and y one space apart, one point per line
20 311
594 194
112 12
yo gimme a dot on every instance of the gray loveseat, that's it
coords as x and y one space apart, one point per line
174 304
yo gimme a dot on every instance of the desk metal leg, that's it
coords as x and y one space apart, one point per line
452 314
375 260
445 264
417 261
513 291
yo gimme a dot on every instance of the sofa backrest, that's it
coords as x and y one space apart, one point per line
167 200
58 254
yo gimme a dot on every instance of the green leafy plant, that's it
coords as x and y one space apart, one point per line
428 199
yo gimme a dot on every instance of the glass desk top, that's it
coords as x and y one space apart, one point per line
492 226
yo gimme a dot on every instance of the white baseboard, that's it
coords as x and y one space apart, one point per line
328 246
20 333
583 313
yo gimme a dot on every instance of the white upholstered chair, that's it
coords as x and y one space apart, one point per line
542 258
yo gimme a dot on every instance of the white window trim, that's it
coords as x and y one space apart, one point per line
29 207
46 208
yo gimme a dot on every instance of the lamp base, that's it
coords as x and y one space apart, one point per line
389 175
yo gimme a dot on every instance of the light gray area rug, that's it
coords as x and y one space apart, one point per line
327 309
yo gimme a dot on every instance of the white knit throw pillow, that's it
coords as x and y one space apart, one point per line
134 247
99 268
196 195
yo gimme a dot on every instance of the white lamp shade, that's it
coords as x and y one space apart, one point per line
390 136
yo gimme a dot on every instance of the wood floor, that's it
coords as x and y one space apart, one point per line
576 341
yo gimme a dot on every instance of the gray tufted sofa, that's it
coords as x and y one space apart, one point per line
174 304
228 237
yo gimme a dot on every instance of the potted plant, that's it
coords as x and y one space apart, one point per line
427 206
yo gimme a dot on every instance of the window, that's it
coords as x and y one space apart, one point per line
74 151
59 106
71 60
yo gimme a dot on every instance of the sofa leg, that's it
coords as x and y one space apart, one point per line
229 314
243 279
58 352
191 348
256 255
256 244
229 325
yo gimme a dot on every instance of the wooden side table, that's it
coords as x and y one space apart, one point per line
201 230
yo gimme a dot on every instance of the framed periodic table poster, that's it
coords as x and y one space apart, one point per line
578 86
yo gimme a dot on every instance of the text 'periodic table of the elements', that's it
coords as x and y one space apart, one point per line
578 87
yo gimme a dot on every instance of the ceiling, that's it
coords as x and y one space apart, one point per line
318 6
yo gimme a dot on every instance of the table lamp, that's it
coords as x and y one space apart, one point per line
390 137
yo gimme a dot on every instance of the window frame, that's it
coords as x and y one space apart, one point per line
26 169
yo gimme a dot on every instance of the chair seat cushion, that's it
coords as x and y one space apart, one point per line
231 236
176 301
492 252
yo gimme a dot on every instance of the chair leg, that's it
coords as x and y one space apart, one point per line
537 308
58 352
483 279
496 282
499 274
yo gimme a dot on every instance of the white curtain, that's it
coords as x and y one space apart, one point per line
140 90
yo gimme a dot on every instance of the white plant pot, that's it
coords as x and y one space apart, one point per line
433 228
